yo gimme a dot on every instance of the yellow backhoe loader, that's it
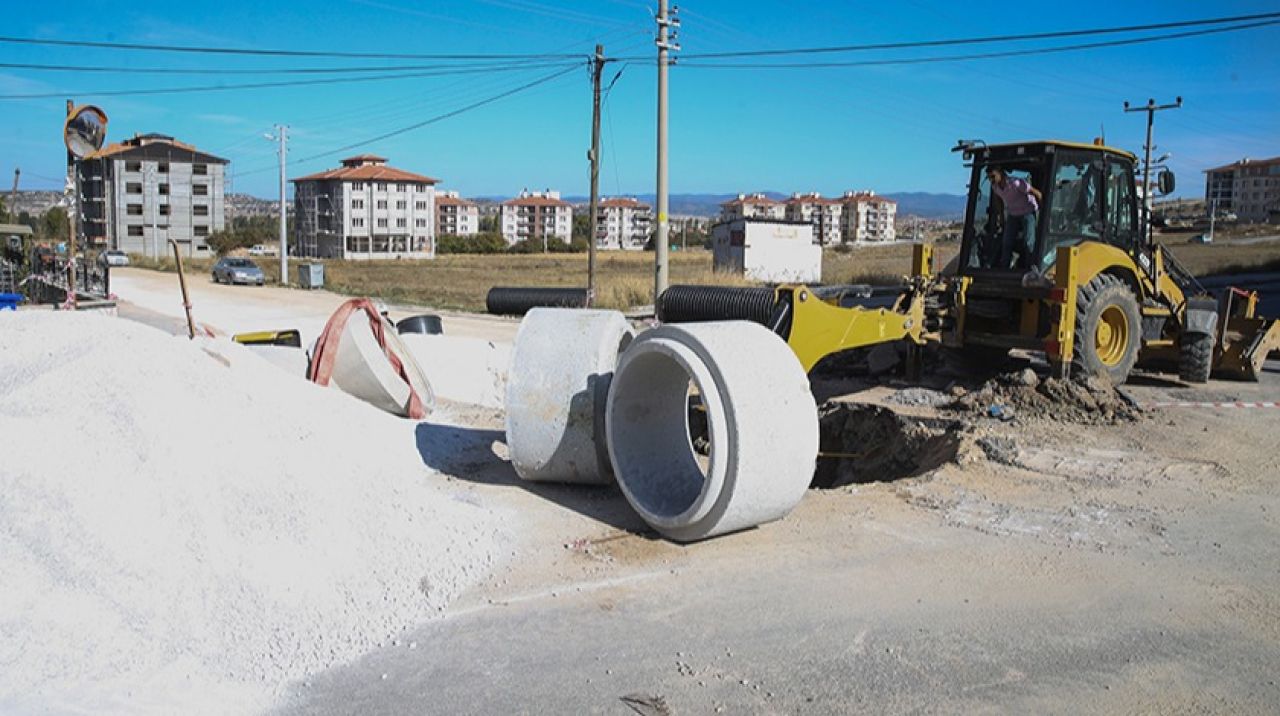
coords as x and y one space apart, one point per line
1089 289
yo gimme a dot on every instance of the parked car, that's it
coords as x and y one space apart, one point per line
114 257
262 250
237 270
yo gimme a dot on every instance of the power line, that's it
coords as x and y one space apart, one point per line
255 70
278 52
980 56
265 85
426 122
982 40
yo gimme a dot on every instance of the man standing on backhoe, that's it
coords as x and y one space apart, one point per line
1021 203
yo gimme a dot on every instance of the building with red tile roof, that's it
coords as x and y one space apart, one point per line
365 209
747 206
867 217
825 215
623 223
537 216
456 216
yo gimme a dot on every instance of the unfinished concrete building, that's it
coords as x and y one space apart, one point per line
140 193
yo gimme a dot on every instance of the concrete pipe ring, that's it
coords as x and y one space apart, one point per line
557 387
761 428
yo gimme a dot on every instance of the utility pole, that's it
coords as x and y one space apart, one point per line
1150 108
13 197
666 43
1213 214
282 135
73 182
597 66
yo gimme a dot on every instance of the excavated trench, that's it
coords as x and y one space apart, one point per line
869 443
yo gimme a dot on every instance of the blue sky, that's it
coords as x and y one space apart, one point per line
885 128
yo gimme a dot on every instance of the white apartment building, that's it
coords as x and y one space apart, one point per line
867 217
752 206
538 215
1250 189
623 223
824 214
140 193
365 210
456 216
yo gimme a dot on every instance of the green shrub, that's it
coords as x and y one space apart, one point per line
485 243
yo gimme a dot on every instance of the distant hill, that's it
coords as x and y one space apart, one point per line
929 206
34 203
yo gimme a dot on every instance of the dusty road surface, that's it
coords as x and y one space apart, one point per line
1081 568
1098 565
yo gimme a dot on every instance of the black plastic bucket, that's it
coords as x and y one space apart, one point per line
427 323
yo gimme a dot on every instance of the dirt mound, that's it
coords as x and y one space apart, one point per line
1088 401
871 443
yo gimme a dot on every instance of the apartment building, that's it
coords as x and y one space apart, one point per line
456 216
537 216
139 194
1250 188
867 217
623 223
365 210
752 206
824 214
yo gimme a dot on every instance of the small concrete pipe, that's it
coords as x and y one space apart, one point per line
762 426
556 390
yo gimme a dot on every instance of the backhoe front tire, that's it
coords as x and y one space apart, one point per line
1108 330
1195 358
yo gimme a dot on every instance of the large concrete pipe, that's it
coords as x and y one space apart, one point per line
556 390
762 427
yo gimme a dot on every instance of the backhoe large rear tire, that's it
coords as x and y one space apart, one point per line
1108 331
1195 357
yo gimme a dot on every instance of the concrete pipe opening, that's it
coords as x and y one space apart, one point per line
557 388
711 428
654 404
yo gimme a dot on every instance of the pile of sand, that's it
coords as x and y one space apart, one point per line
181 532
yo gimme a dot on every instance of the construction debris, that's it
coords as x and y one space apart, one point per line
1092 400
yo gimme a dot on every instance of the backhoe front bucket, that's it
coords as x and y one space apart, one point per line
1246 343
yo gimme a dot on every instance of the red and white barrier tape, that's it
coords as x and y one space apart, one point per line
1226 404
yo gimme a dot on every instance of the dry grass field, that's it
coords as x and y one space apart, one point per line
460 281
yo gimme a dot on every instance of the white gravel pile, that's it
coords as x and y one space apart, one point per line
179 535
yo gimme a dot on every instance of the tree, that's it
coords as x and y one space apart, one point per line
245 231
582 227
54 225
488 224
